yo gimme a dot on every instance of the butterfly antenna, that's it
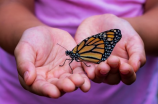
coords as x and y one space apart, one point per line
61 46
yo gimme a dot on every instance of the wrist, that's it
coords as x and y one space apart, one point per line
134 23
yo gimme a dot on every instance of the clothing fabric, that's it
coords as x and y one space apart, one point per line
67 15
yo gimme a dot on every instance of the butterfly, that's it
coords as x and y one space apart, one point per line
95 49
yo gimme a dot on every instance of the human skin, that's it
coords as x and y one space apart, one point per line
38 64
38 58
127 57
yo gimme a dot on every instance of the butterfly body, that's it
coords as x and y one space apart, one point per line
73 56
96 48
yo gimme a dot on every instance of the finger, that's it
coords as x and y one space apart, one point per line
76 79
66 85
90 71
128 76
112 79
101 72
41 87
114 63
103 68
25 62
136 53
85 86
54 81
137 60
113 76
69 82
23 84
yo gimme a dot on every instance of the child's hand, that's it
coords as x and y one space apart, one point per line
127 57
38 58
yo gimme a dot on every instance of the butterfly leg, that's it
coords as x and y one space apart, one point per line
65 61
86 64
70 66
83 62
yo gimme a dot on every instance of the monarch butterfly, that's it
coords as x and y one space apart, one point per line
96 48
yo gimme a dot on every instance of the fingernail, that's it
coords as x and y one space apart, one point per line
26 75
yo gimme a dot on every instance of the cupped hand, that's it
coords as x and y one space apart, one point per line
38 58
127 57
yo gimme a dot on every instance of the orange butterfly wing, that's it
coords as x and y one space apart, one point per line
98 48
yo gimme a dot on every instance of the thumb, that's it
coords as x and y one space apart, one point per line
25 58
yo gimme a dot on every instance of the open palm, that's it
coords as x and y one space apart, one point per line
127 57
38 58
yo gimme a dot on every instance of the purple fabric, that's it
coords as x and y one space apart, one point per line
67 15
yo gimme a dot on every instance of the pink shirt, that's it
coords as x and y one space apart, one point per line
67 15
